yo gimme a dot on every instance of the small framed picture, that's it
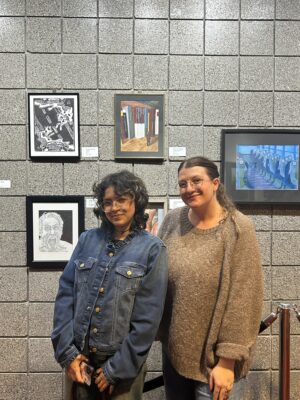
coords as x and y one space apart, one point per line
156 210
54 224
139 126
261 165
54 126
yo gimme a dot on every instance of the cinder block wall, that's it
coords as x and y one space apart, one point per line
220 63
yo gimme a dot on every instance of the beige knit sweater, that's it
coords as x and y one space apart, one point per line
214 300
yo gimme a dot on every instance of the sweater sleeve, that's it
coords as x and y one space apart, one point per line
241 320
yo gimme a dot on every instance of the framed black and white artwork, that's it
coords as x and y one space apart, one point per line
261 165
54 224
54 126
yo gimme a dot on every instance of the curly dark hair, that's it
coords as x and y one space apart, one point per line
123 182
212 172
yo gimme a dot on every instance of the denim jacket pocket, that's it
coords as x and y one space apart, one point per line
129 275
83 268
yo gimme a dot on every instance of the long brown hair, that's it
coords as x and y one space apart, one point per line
212 171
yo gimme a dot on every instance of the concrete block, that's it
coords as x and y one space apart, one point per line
79 71
186 37
13 355
151 36
186 73
149 174
43 8
295 348
264 239
79 178
48 384
12 142
13 284
43 71
220 108
287 38
12 34
156 394
13 245
80 8
221 73
173 179
106 168
12 71
185 108
286 219
14 386
257 386
43 35
45 178
260 216
212 143
267 275
13 7
80 35
285 109
190 137
12 111
294 385
106 142
220 9
13 319
257 9
123 9
256 109
40 319
43 285
155 9
286 9
115 71
262 357
285 248
256 73
151 72
90 219
285 283
193 9
257 38
115 35
88 103
154 361
41 356
12 214
106 107
221 37
88 138
287 70
294 323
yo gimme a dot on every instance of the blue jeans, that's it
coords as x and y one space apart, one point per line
177 387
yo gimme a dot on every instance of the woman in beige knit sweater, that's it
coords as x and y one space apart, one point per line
214 300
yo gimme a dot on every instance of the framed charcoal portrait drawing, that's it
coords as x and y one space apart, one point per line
54 126
261 165
139 126
54 224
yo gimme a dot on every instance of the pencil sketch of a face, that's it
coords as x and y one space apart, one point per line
50 233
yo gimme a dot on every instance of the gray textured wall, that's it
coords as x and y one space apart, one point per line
220 63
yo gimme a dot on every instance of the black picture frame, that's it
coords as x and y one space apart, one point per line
54 126
139 126
261 165
54 224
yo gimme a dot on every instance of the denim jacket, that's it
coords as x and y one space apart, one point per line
133 284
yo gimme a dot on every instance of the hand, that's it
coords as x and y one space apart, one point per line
221 379
102 383
73 369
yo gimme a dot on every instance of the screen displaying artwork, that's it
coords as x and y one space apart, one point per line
267 167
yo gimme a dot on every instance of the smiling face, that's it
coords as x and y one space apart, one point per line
119 210
196 187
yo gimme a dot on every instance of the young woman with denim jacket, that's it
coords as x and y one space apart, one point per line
111 295
214 298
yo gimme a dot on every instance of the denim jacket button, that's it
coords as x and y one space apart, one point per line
94 349
110 254
97 309
129 273
81 265
101 290
95 330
